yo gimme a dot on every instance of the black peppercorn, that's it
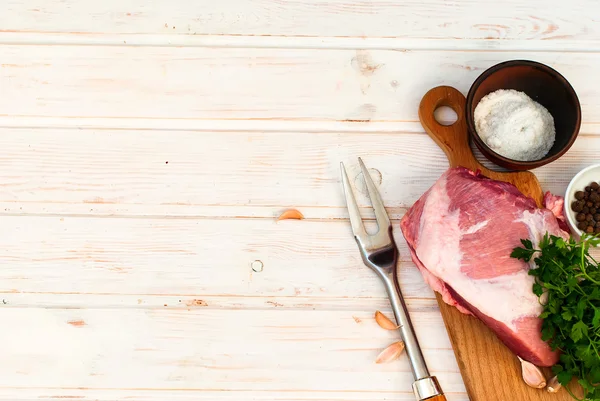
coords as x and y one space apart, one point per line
594 197
589 230
582 225
579 195
585 210
589 217
595 186
597 230
580 217
588 189
586 195
593 210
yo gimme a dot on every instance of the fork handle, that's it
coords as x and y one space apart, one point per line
440 397
428 389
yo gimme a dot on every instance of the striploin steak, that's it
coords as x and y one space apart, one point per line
461 233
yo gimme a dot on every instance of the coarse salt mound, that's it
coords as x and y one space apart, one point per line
514 125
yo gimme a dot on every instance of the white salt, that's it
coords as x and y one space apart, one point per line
514 125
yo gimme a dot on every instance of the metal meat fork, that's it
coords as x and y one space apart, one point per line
379 252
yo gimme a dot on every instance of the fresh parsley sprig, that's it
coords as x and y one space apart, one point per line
568 286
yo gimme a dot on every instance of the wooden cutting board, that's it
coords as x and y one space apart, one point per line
490 371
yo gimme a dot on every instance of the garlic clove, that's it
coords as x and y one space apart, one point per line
391 353
291 214
553 385
384 322
532 375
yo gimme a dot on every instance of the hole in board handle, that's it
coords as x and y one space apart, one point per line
445 115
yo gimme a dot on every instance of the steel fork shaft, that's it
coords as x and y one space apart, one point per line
424 386
411 343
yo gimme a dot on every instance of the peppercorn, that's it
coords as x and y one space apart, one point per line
586 205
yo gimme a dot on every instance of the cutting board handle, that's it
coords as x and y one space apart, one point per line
453 139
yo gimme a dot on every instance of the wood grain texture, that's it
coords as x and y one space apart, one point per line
191 257
148 148
87 394
479 352
449 23
212 84
192 174
207 349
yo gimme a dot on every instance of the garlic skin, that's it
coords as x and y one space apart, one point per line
391 353
532 375
384 322
291 214
553 385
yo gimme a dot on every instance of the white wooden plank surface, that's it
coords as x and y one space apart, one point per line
199 174
189 256
120 270
478 24
430 19
207 84
191 349
35 394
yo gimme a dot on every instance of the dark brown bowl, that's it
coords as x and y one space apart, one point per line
544 85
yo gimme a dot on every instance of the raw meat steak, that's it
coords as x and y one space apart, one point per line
461 233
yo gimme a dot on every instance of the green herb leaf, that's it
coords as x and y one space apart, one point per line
581 306
596 319
564 377
527 243
520 253
569 279
538 289
578 331
567 315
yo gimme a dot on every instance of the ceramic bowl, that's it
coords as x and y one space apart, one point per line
544 85
578 183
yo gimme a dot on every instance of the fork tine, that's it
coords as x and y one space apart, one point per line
355 220
383 220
